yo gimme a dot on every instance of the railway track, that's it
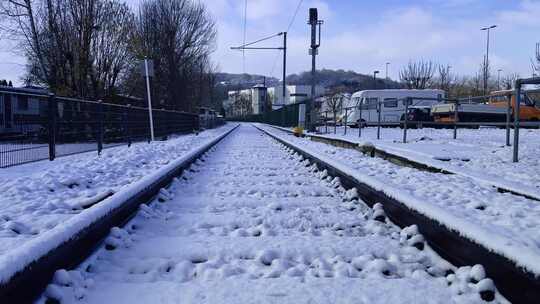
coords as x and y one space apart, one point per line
517 283
26 275
254 221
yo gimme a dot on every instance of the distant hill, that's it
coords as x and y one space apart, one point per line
343 81
333 80
243 81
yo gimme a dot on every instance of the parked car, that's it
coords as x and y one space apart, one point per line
416 116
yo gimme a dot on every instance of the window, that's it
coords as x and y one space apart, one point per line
409 101
390 102
372 103
22 103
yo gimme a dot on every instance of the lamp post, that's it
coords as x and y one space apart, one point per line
486 62
375 79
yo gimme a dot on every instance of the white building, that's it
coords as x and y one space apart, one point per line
19 107
259 99
293 94
247 102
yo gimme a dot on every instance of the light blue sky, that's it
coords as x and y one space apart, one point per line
362 35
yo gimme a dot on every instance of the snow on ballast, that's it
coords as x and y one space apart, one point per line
71 230
253 222
499 227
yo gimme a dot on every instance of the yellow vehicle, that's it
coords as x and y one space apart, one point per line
529 108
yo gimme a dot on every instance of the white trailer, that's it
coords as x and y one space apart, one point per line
390 102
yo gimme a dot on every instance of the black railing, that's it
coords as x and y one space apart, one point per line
286 116
35 125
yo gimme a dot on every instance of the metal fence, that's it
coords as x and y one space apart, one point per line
507 119
286 116
36 126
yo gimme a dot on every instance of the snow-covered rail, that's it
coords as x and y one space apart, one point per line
26 268
254 222
491 238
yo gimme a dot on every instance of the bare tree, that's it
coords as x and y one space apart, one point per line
110 56
417 75
444 78
244 104
178 35
76 48
19 20
476 84
509 81
535 63
334 103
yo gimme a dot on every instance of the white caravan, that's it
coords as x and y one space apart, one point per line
392 104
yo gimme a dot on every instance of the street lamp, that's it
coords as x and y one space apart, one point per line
486 63
499 79
375 79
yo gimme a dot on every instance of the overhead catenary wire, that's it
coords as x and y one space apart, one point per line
287 30
294 16
274 64
244 40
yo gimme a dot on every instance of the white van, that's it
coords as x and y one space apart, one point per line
392 104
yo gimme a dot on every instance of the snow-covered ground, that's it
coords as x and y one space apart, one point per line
479 153
41 197
503 222
253 223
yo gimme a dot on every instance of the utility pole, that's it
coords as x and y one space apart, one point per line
499 79
284 66
486 59
386 78
313 22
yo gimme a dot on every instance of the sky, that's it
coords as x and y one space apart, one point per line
363 35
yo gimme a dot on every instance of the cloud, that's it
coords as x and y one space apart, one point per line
527 14
400 35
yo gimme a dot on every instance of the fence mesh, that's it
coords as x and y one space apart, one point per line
37 126
286 116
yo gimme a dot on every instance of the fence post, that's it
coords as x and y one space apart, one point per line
100 127
52 103
326 122
508 115
456 117
127 111
516 121
360 124
379 120
346 120
405 122
335 121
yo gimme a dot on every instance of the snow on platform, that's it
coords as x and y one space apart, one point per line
43 203
253 223
478 153
502 222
